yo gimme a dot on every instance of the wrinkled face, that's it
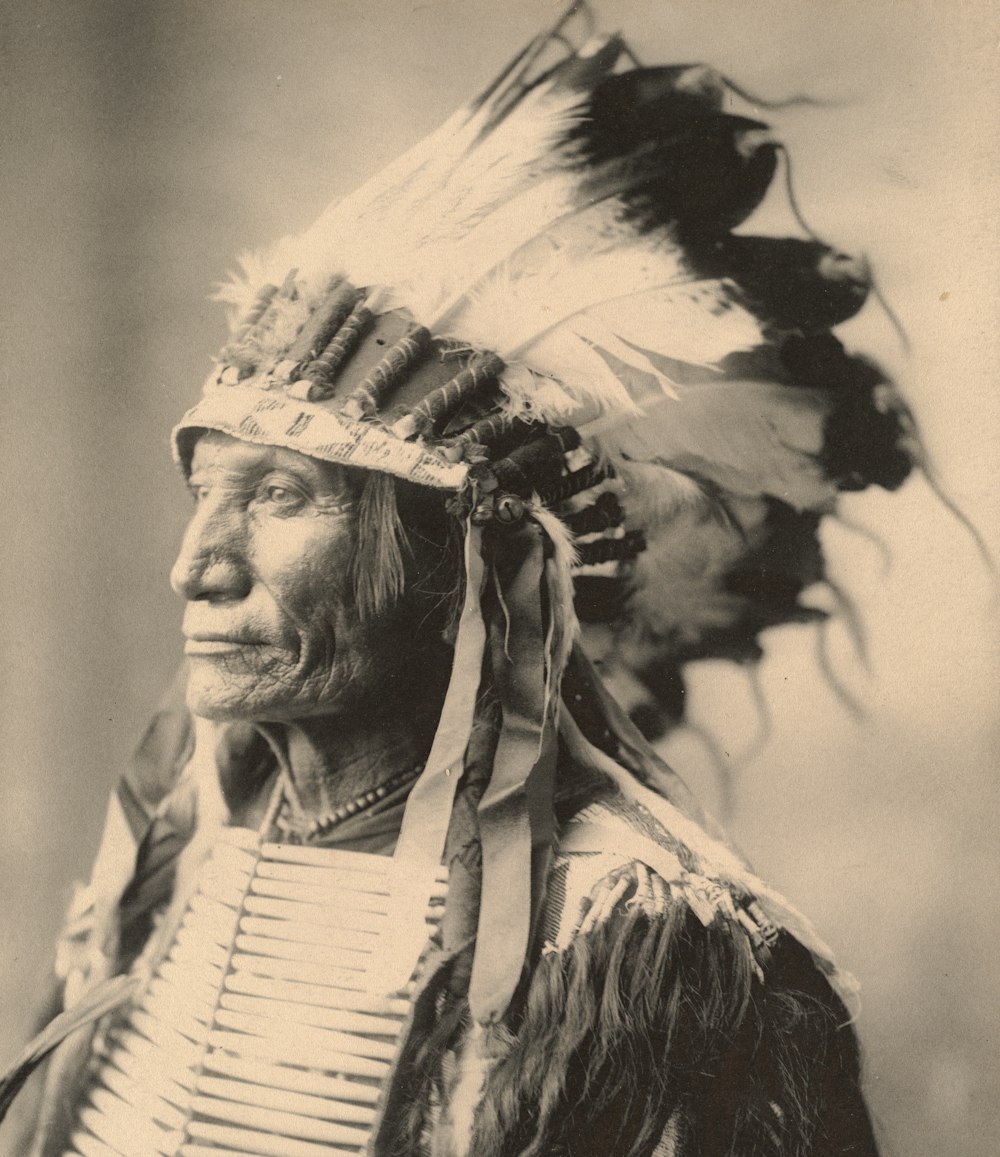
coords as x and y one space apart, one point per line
271 628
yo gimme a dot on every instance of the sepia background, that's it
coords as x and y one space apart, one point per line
145 144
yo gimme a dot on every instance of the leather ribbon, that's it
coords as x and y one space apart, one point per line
428 812
515 814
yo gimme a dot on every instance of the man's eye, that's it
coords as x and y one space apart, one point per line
280 497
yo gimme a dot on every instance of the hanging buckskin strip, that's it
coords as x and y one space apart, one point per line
634 751
428 811
515 813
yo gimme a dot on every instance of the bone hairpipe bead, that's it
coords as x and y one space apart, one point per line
195 949
274 1028
308 953
139 1097
334 877
188 1027
214 909
209 934
305 933
320 894
293 1052
88 1146
318 915
297 970
246 1142
286 1101
161 1034
125 1132
319 995
333 857
159 1078
280 1122
341 1020
205 977
298 1080
171 1010
223 893
198 999
145 1054
194 1150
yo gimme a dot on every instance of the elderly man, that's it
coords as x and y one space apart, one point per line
398 876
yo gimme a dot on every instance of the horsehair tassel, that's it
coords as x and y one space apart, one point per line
344 342
612 549
576 483
256 311
367 399
329 315
603 514
440 404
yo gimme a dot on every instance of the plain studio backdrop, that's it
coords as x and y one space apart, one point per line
146 144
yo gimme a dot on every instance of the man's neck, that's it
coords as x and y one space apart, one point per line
329 763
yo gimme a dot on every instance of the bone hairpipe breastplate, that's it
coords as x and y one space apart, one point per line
261 1032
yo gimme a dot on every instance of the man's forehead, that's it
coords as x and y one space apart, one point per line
215 450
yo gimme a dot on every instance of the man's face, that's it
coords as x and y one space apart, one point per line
265 566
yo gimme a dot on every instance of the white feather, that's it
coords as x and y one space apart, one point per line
699 322
655 494
583 372
529 395
406 229
594 331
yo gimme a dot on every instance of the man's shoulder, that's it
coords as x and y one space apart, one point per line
616 857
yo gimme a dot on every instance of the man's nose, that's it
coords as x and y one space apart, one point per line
212 561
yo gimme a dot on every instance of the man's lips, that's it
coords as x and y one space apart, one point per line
218 644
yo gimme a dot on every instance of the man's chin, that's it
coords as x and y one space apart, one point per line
209 698
226 701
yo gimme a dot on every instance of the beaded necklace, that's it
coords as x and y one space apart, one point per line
305 827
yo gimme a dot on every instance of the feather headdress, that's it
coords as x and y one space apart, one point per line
544 309
543 314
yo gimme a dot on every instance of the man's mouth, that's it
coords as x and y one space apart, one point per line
212 644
